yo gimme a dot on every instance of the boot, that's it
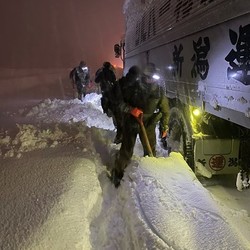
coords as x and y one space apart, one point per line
118 139
116 177
80 97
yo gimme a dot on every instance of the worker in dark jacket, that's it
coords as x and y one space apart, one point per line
110 97
105 76
80 77
143 98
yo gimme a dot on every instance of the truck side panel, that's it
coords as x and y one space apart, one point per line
205 64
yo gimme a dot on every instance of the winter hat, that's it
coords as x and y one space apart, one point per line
150 69
134 70
82 64
106 64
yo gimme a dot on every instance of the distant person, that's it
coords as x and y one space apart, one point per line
105 76
143 98
80 78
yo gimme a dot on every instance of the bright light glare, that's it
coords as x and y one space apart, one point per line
196 112
170 67
233 75
156 77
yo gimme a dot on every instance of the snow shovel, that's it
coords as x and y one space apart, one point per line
145 136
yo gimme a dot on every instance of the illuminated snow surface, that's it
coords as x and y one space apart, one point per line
55 193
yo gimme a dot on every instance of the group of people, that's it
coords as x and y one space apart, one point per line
136 102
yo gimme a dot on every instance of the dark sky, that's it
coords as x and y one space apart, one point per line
59 33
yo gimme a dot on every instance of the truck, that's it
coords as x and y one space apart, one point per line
202 49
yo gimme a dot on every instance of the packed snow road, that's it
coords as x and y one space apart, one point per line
55 193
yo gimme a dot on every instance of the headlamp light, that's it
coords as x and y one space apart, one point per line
156 77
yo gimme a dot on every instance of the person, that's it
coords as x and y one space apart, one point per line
143 98
115 100
106 77
80 77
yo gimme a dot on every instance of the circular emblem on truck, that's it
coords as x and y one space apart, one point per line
217 162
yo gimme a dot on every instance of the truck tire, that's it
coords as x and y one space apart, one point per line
180 135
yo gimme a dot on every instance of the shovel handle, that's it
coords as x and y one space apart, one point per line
145 136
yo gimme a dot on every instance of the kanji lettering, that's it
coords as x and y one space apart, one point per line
217 162
239 58
201 65
178 60
232 162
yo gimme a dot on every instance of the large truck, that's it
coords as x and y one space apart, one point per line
202 49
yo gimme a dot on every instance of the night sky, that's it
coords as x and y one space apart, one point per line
59 33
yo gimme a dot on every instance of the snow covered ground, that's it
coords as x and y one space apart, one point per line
55 194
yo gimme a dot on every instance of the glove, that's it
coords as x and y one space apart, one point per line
164 134
136 112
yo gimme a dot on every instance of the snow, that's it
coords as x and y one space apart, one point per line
55 193
201 170
214 102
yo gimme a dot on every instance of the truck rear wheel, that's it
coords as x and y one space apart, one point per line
180 135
